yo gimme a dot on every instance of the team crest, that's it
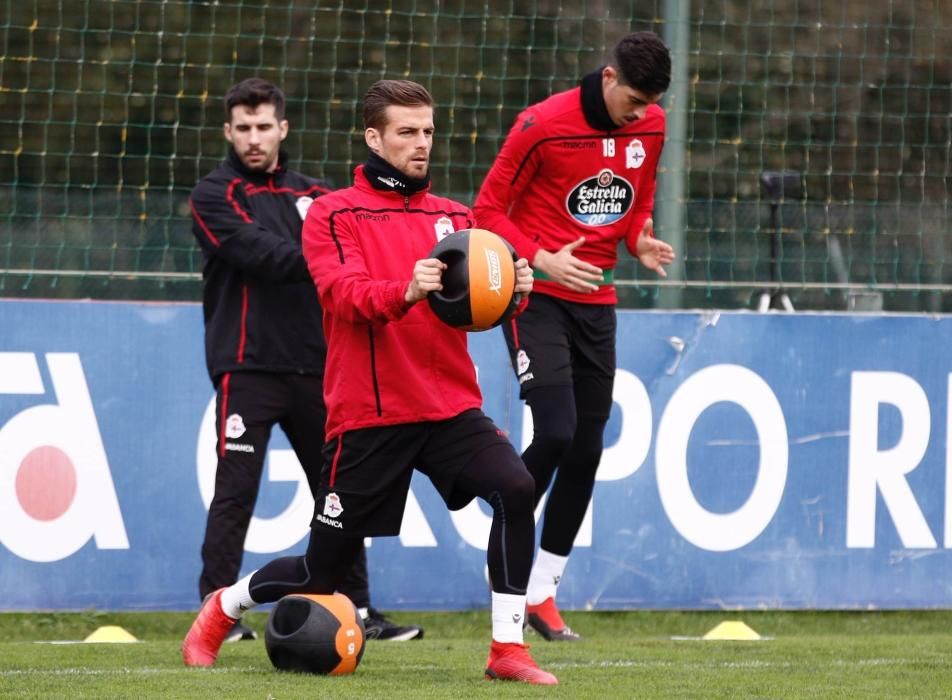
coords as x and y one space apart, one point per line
522 362
443 227
332 506
234 426
635 154
303 204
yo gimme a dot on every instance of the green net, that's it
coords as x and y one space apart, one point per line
854 99
111 110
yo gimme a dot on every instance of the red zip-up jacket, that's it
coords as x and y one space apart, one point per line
558 177
387 362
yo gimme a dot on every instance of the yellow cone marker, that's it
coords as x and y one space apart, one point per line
732 630
111 634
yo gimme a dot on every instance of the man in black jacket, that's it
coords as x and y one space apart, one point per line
264 345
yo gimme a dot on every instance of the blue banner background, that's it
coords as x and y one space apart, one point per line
144 370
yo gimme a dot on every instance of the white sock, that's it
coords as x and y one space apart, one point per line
546 573
509 612
236 599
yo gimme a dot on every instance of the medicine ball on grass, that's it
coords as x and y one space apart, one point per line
478 282
315 634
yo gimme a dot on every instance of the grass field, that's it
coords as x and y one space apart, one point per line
624 655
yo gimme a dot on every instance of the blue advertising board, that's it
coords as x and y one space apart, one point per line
752 461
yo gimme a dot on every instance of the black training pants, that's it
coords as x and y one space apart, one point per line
249 405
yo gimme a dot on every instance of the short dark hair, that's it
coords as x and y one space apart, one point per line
385 93
253 92
643 62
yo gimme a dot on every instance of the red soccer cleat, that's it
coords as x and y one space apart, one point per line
512 662
207 633
545 619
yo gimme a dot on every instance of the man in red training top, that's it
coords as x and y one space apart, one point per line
400 390
263 342
575 176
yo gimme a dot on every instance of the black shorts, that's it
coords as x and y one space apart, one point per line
367 472
555 342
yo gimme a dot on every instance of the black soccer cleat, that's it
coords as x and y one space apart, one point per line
547 622
240 632
376 626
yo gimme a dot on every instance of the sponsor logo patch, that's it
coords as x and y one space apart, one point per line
600 200
329 521
391 182
239 447
494 270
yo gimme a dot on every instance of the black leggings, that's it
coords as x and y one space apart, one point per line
495 475
567 441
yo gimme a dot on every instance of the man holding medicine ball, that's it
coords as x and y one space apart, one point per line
400 389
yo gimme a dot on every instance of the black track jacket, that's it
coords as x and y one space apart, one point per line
261 307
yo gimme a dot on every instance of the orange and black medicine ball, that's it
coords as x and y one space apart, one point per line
478 282
315 634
